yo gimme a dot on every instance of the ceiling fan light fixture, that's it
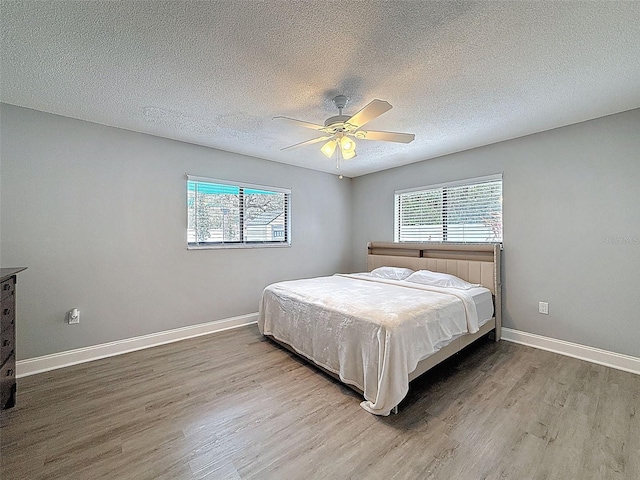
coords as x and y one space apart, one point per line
329 148
347 148
347 144
349 155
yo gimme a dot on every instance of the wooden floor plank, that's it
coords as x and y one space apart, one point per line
236 406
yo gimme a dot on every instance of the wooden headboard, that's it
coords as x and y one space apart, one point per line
473 263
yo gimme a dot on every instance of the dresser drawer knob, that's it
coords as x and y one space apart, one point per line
6 311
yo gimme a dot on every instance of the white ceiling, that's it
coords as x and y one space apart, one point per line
458 74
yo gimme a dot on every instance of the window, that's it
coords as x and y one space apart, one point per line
469 211
231 214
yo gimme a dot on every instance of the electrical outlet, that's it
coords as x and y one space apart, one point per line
543 307
73 316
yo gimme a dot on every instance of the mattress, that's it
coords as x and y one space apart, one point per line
370 332
484 303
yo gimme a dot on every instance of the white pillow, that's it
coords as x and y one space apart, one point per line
435 279
391 273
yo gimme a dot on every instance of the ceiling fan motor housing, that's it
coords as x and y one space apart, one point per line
340 101
337 119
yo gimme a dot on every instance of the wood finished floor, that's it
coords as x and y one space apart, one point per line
235 406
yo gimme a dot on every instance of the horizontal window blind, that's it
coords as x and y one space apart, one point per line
468 211
222 213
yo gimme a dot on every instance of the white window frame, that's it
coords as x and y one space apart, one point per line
242 243
465 182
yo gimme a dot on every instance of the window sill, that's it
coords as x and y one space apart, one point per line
238 245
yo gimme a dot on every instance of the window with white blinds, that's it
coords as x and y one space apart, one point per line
221 213
468 211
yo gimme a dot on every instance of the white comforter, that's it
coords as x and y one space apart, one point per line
371 332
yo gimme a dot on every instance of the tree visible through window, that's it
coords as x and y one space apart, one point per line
467 211
229 213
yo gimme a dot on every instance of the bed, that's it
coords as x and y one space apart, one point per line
376 334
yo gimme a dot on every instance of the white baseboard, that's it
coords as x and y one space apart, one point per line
575 350
45 363
31 366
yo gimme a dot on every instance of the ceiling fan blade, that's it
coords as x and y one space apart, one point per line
300 123
374 109
386 136
308 142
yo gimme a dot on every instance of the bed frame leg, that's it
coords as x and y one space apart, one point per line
394 410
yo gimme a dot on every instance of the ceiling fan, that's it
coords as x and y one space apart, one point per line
340 131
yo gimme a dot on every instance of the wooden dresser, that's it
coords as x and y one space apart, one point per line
8 337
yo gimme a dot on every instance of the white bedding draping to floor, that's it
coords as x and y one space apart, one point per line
371 332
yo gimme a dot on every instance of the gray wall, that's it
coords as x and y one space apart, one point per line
571 205
98 214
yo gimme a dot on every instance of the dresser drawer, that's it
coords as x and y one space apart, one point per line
7 341
7 288
8 382
7 313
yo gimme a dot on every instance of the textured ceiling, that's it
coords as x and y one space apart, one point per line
458 74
